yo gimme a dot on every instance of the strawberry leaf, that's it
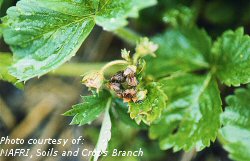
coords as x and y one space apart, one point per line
180 16
112 14
235 133
123 114
5 62
149 109
179 49
90 109
192 116
44 34
230 56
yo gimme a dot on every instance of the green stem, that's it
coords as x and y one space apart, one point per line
128 35
76 69
110 64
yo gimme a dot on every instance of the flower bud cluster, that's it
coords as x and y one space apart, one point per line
124 84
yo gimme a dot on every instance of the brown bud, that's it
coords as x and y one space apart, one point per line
135 99
132 81
118 77
119 94
130 71
124 83
129 94
126 99
93 80
115 87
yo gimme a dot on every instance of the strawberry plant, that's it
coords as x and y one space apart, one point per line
171 84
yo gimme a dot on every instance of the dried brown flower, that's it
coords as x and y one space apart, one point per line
129 94
115 87
132 81
130 71
93 80
124 84
118 77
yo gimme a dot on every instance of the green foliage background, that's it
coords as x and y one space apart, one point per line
200 72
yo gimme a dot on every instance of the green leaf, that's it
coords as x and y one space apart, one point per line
105 134
1 30
113 13
123 114
192 116
151 108
5 63
230 56
180 16
235 133
44 34
90 109
180 49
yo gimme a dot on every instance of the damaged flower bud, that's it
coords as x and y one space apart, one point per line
93 80
132 81
129 94
118 77
129 73
115 87
130 70
124 84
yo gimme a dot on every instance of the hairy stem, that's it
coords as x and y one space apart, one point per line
128 35
76 69
112 63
